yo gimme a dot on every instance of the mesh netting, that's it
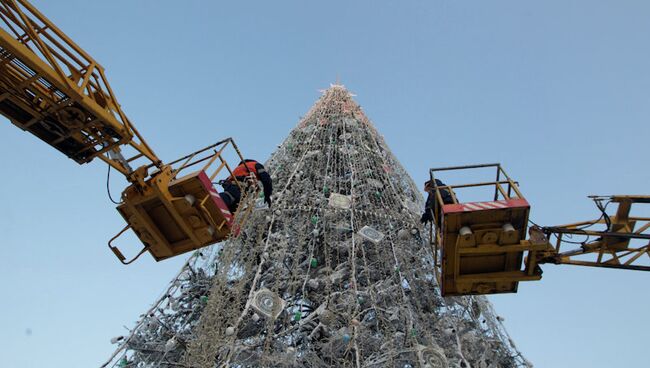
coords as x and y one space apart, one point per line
338 273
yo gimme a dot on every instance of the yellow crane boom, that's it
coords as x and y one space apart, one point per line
52 88
613 246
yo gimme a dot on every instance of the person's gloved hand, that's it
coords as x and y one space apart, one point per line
268 201
426 217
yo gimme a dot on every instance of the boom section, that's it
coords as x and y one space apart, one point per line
621 240
52 88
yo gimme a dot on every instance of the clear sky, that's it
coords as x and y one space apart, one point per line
557 91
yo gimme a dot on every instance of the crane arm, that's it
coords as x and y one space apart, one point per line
52 88
620 241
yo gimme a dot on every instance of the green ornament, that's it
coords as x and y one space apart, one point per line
326 189
123 362
313 263
290 146
396 268
204 298
314 220
361 300
378 194
297 316
414 332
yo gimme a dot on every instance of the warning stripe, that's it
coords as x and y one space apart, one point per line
485 205
471 207
476 206
227 214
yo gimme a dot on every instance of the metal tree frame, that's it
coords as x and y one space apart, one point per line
342 248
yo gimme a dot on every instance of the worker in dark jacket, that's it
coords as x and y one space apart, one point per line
430 206
247 170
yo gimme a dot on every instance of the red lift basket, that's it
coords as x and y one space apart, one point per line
481 244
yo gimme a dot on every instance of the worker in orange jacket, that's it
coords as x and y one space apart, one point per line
247 170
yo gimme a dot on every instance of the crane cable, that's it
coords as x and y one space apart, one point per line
603 214
108 189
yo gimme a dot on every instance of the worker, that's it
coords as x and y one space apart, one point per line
430 206
243 174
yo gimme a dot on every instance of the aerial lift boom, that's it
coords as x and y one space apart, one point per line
483 245
52 88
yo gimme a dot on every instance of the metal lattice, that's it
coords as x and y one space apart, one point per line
342 264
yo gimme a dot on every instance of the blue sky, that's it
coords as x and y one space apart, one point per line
557 91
